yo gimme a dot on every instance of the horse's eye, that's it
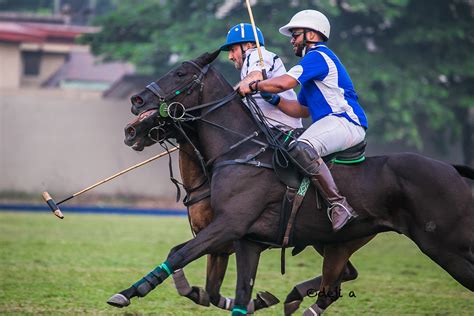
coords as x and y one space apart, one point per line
180 73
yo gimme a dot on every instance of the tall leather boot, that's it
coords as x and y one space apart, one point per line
339 212
309 162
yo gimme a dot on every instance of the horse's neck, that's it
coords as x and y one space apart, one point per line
192 174
231 116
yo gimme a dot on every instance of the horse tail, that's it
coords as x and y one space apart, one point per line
465 171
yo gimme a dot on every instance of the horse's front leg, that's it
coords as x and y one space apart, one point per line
247 256
214 236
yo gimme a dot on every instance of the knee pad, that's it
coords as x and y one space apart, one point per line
305 156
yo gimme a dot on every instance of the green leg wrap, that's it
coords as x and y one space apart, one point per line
153 279
239 310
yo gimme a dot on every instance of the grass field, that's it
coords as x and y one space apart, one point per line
49 266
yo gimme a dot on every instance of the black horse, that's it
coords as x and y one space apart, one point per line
422 198
143 132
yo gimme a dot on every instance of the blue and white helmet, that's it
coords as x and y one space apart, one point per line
242 33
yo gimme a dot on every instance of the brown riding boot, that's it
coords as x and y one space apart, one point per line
340 212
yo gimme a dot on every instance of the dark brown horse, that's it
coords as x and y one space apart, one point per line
424 199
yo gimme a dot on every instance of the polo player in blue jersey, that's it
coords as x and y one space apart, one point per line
328 95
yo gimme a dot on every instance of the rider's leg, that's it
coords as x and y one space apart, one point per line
330 134
315 168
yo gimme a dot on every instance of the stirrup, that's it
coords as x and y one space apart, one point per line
329 211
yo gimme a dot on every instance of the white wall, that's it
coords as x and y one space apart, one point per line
10 65
64 141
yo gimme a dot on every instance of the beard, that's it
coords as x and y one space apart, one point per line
299 50
237 65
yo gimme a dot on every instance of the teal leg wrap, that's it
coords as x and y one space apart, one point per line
165 266
239 310
153 279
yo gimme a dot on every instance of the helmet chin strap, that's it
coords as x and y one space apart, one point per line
243 53
304 45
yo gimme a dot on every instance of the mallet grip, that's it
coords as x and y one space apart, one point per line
52 205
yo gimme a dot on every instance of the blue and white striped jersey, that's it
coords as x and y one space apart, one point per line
326 88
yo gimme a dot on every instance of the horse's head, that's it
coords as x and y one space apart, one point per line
166 100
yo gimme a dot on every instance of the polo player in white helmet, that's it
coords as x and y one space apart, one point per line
328 95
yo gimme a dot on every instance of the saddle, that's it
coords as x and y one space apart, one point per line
289 174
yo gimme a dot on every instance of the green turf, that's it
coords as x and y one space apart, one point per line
49 266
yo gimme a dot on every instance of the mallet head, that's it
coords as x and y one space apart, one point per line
52 205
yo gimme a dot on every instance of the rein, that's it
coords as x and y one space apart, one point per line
180 115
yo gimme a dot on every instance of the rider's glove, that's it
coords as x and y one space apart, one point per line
271 98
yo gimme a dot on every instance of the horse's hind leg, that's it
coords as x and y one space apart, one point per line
453 251
335 261
310 287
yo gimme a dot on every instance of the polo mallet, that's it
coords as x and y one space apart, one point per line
257 41
54 206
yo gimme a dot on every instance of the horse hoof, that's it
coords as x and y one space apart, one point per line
268 298
118 300
291 307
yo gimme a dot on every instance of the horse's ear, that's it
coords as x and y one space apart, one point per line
207 58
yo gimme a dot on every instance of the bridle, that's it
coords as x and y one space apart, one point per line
164 98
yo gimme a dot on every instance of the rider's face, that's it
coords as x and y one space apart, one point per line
235 55
297 38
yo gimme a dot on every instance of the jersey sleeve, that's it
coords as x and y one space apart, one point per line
312 67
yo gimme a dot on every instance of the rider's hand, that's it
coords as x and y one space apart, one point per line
271 98
244 89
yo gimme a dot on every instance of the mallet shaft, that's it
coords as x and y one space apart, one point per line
120 173
257 41
54 206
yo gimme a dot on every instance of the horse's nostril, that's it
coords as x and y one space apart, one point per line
137 100
130 132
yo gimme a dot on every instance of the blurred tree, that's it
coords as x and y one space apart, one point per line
27 5
410 60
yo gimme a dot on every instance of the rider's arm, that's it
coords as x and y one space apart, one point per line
293 108
275 85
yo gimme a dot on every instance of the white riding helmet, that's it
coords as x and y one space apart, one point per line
308 19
